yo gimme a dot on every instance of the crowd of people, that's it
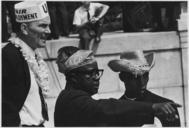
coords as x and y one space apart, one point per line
135 17
25 77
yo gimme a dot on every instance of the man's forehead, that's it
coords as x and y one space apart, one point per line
88 67
126 73
130 74
43 21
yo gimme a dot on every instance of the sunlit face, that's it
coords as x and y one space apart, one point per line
89 76
37 32
136 84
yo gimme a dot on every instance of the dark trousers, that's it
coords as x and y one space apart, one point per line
40 125
53 26
59 19
5 34
63 18
8 10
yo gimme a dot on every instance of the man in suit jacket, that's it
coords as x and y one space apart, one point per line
134 69
76 107
24 73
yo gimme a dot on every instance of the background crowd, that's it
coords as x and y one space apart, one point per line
126 16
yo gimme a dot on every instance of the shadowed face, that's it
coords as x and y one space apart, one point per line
88 77
37 32
86 4
135 84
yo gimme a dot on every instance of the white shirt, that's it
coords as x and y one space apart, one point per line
80 16
31 114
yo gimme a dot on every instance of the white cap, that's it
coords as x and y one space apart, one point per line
28 11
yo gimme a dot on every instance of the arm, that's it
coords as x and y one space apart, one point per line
103 10
112 110
151 97
109 110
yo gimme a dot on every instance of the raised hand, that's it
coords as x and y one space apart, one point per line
166 109
94 20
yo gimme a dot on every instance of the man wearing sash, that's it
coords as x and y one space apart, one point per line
24 73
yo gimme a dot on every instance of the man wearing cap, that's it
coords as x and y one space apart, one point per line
88 19
134 69
76 107
24 73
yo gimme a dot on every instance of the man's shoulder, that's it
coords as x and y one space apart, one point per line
79 10
70 95
157 97
95 3
73 92
10 49
12 54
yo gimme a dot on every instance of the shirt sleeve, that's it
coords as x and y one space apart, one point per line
76 19
97 5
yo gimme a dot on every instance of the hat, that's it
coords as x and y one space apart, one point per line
28 11
134 62
78 59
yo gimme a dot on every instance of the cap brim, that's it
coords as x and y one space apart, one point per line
121 65
117 65
150 58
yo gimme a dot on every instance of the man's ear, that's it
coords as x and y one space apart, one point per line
145 78
72 77
24 28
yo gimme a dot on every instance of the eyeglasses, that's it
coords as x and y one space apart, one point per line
95 73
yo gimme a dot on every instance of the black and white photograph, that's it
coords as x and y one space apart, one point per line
94 63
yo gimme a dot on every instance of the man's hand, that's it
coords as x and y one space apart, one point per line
166 109
94 20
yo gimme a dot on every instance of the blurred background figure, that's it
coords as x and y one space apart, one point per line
150 16
8 16
60 25
137 16
88 21
165 15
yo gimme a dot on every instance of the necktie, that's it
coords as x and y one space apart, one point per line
88 15
43 105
